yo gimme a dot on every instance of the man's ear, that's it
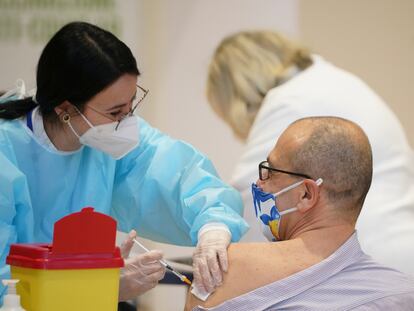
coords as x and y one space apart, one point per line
309 197
63 107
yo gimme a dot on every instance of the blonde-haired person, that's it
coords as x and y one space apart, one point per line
259 82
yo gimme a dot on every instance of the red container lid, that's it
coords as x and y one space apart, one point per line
81 240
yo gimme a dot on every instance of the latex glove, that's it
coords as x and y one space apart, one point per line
140 273
210 259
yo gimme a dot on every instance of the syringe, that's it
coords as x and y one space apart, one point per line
166 265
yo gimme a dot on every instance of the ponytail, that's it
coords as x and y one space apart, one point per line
13 109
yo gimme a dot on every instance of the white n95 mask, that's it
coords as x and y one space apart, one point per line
115 142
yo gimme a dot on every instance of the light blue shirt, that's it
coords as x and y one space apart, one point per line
347 280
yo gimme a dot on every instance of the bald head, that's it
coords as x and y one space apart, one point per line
336 150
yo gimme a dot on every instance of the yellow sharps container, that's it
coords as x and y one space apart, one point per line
79 271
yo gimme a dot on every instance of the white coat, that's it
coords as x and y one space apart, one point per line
386 224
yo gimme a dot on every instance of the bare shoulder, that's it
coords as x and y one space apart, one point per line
252 265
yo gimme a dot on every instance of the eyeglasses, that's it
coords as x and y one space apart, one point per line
265 168
135 103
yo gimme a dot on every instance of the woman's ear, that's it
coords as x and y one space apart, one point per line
309 196
63 107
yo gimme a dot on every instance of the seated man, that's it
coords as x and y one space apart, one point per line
319 172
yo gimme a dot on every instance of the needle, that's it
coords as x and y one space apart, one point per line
166 265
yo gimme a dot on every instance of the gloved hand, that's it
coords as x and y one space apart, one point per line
141 272
210 258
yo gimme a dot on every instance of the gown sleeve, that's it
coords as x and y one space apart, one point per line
15 213
167 190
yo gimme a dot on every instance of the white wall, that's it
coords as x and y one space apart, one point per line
180 39
373 39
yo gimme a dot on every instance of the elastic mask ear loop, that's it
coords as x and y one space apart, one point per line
287 211
292 209
318 182
288 188
66 119
84 118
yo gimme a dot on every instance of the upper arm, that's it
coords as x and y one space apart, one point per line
242 276
251 266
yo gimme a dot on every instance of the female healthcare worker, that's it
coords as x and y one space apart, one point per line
76 143
259 82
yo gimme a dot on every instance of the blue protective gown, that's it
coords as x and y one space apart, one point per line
165 189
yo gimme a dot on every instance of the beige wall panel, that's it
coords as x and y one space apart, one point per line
371 38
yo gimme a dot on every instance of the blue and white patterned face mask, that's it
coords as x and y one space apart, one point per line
269 215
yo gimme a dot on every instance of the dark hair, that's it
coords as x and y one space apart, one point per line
78 62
